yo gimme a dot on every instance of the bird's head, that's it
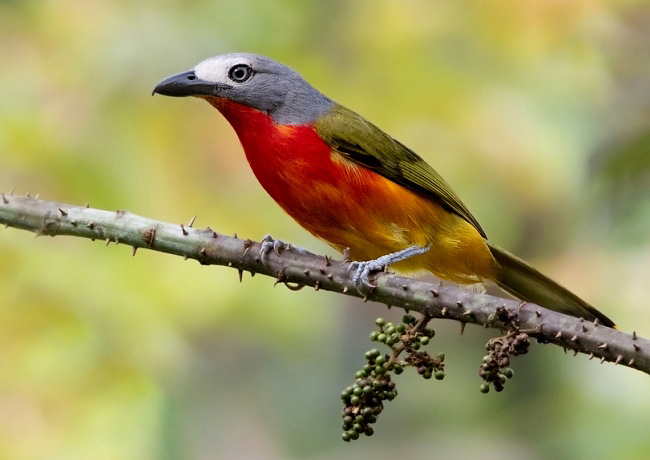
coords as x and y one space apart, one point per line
253 81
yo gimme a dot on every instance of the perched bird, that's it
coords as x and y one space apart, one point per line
351 184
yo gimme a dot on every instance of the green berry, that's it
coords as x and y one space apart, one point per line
347 419
439 375
408 319
354 435
382 338
400 328
380 322
508 372
485 388
502 378
380 360
369 431
367 412
398 369
357 391
367 390
390 330
427 375
374 335
429 332
375 352
380 370
424 340
360 374
416 345
368 368
440 357
486 358
354 400
346 436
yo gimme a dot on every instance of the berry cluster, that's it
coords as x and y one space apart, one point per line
494 369
364 400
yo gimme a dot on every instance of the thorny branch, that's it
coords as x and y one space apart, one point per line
302 268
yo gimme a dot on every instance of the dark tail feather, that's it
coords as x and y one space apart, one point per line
524 282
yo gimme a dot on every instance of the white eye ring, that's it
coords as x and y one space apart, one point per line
240 73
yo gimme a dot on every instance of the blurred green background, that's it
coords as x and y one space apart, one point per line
536 111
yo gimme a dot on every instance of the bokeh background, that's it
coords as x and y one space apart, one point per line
536 111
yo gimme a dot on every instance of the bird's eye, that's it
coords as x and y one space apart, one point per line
240 73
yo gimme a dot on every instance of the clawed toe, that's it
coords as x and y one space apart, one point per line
268 243
361 273
363 269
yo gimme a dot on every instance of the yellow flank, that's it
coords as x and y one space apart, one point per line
375 216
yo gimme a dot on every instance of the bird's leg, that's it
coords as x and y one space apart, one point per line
268 243
363 269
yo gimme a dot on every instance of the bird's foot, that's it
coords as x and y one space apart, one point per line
362 269
269 244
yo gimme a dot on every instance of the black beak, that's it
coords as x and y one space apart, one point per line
185 84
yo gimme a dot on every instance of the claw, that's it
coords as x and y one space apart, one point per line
278 246
268 243
265 247
362 269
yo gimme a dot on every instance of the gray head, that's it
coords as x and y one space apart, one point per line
255 81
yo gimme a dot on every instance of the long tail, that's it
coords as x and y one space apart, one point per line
524 282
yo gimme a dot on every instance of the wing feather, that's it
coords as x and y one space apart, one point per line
356 138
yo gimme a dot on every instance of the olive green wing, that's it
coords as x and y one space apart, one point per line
357 139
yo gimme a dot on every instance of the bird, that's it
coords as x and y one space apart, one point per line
354 186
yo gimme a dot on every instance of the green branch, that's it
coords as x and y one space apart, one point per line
299 268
